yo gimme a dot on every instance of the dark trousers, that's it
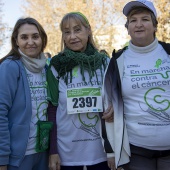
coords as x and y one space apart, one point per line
145 159
99 166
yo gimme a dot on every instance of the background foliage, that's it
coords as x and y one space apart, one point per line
105 17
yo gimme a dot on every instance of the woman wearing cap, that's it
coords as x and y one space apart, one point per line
140 94
75 79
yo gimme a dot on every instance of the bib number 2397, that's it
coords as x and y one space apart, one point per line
84 100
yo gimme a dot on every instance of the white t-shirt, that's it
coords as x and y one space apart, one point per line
78 135
37 84
146 96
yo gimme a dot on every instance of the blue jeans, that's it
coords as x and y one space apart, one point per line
37 161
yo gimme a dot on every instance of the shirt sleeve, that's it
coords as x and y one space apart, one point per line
9 75
51 111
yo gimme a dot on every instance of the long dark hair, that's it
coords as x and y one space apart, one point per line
14 53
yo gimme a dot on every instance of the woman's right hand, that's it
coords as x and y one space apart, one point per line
111 163
3 167
108 114
54 162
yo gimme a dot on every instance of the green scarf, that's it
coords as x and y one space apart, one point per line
89 60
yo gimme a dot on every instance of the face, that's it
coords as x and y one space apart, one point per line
29 40
141 29
75 36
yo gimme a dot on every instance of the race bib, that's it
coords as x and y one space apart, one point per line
84 100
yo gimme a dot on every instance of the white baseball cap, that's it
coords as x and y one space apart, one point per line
139 3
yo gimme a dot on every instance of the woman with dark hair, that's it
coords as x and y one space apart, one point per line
23 101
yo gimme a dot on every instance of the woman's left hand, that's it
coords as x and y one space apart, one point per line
54 162
111 163
108 114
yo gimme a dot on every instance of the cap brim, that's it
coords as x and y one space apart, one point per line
131 5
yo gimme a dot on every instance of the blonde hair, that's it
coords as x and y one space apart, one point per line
81 20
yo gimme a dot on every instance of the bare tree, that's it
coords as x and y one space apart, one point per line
105 17
49 13
102 15
163 9
3 30
2 25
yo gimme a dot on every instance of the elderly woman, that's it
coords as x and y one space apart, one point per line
75 79
139 93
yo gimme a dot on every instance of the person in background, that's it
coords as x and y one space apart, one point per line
140 94
48 56
23 101
75 79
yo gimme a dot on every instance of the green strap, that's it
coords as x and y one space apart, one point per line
52 87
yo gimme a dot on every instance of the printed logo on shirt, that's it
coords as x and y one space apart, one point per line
158 63
154 81
132 66
75 71
86 122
